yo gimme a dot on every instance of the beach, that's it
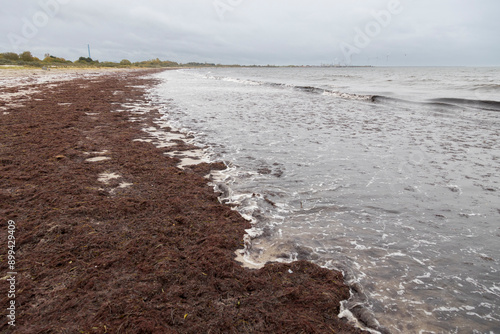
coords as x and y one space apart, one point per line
113 236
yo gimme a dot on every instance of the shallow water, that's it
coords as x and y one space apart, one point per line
389 174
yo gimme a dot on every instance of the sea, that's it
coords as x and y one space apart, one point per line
389 174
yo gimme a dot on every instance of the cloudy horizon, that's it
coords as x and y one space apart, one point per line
248 32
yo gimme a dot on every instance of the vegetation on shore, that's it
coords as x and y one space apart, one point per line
27 59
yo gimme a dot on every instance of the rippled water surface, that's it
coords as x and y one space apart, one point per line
390 174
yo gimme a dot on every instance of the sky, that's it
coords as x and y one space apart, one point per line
258 32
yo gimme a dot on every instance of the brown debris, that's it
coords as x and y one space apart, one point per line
150 250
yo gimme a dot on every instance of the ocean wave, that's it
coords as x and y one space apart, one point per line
451 103
305 89
476 104
482 104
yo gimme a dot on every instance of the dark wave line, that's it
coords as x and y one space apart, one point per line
444 102
478 104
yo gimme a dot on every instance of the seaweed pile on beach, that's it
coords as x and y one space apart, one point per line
112 237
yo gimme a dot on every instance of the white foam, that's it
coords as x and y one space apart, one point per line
107 177
446 309
347 314
396 254
97 159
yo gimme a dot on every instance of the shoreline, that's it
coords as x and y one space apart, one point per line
112 236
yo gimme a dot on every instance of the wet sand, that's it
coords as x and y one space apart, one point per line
113 237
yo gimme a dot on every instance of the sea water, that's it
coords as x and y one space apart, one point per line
391 175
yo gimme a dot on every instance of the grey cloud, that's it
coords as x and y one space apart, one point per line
426 32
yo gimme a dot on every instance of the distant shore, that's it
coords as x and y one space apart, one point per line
112 237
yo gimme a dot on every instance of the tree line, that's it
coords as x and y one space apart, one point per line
27 59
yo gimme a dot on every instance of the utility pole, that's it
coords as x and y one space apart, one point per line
88 45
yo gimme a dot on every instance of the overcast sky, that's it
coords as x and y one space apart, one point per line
281 32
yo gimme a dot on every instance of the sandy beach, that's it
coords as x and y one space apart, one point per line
113 236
